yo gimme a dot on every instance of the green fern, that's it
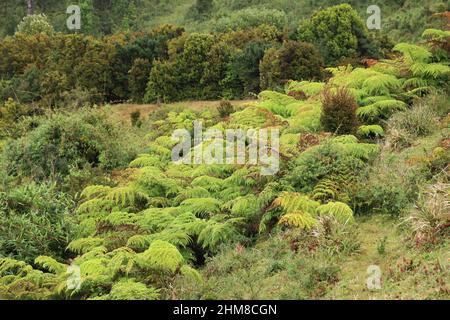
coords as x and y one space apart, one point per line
129 289
341 211
50 264
295 202
371 131
298 219
84 245
202 207
216 233
126 196
161 256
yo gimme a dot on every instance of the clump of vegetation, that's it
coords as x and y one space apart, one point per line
225 109
355 153
339 111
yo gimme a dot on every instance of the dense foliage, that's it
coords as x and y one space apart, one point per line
91 210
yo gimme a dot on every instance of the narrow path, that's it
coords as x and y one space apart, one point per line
381 245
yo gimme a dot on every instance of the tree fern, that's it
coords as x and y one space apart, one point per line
50 264
371 131
126 196
95 191
202 207
341 211
295 202
298 219
383 108
84 245
161 256
413 53
381 84
436 34
191 273
146 160
129 289
216 233
430 70
211 184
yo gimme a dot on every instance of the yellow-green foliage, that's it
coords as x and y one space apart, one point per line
298 219
161 256
341 211
308 87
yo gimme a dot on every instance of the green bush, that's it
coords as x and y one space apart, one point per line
419 121
35 222
33 24
293 61
66 141
338 32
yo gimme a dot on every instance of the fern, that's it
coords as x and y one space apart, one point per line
202 207
215 233
191 273
436 34
298 219
211 184
309 88
430 70
84 245
161 256
295 202
413 53
341 211
95 191
146 160
50 264
126 196
371 131
129 289
382 84
381 108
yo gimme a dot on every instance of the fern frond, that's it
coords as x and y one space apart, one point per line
50 264
161 256
211 184
216 233
341 211
95 191
146 160
294 202
298 219
371 131
413 53
191 273
129 289
126 196
84 245
381 84
202 207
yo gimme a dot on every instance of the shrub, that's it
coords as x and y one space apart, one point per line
430 219
136 118
35 222
338 32
63 142
251 17
293 61
418 121
34 24
225 108
339 111
138 79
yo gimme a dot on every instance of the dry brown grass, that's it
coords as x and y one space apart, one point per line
124 110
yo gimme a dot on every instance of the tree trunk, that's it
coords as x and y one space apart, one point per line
30 7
